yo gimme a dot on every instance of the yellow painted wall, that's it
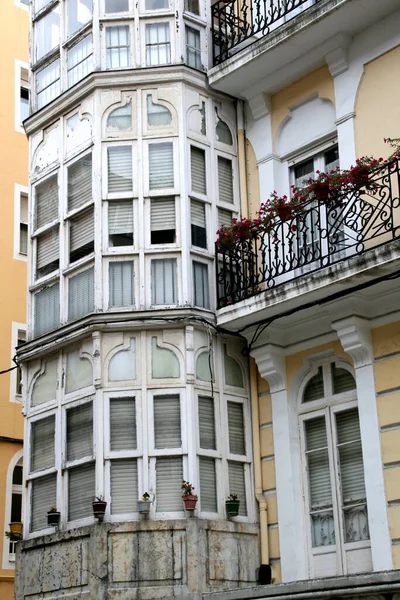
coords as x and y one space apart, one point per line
377 106
13 170
318 82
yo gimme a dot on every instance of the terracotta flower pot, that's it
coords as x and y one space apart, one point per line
321 191
190 502
284 213
99 509
16 529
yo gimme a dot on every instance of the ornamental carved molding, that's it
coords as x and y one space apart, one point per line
271 365
355 336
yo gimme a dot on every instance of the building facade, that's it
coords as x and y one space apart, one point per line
148 133
14 189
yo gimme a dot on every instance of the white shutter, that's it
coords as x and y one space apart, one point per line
23 211
46 195
120 169
81 294
207 423
121 285
81 233
43 497
80 431
225 180
81 491
42 444
208 485
314 389
237 443
163 281
80 182
124 486
122 424
161 166
47 309
198 213
224 217
350 456
237 485
169 476
318 463
120 217
343 381
47 249
163 214
167 422
201 290
198 170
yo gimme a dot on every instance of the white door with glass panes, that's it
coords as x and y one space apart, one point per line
334 489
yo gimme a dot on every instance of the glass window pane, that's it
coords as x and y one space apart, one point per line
79 12
80 431
237 443
115 6
43 497
314 389
117 47
167 422
47 32
123 424
121 283
156 4
48 83
157 114
79 372
169 476
208 484
237 485
42 444
81 490
124 486
207 423
163 282
81 295
80 60
120 119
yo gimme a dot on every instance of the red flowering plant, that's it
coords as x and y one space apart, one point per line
240 230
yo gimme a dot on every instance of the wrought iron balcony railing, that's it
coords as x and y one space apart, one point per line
320 235
235 21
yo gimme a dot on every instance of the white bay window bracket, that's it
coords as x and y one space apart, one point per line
355 336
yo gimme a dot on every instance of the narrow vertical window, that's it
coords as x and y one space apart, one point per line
24 96
193 48
198 170
161 166
47 309
225 181
121 283
120 169
163 282
23 224
192 6
118 47
21 339
198 224
162 220
81 294
48 83
80 60
120 223
157 114
158 46
79 12
201 287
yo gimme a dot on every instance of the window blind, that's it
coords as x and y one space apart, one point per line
23 211
121 283
167 422
120 223
162 214
343 381
208 484
198 169
207 423
124 486
81 294
80 431
237 443
47 252
123 424
81 235
46 195
43 495
80 182
237 485
161 166
225 180
47 309
314 389
350 456
318 463
163 281
42 444
81 491
120 169
224 217
169 476
201 290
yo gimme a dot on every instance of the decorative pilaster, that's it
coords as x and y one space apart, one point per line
355 336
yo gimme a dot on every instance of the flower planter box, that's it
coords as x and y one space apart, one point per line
190 502
99 509
144 506
53 518
232 508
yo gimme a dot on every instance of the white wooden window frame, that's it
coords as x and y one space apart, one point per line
330 404
118 250
178 219
19 191
161 17
19 82
84 264
209 238
119 195
15 329
171 191
200 30
106 283
131 49
211 288
117 15
231 206
35 233
216 454
163 256
138 453
208 172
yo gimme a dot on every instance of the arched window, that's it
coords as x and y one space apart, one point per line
336 506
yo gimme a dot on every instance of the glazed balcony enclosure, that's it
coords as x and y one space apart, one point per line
324 242
257 44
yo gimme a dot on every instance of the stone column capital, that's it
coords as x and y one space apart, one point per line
355 336
271 365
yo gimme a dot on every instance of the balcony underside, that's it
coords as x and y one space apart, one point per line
269 60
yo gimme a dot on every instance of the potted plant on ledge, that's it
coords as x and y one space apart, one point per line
15 533
99 508
232 505
53 517
144 504
189 499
